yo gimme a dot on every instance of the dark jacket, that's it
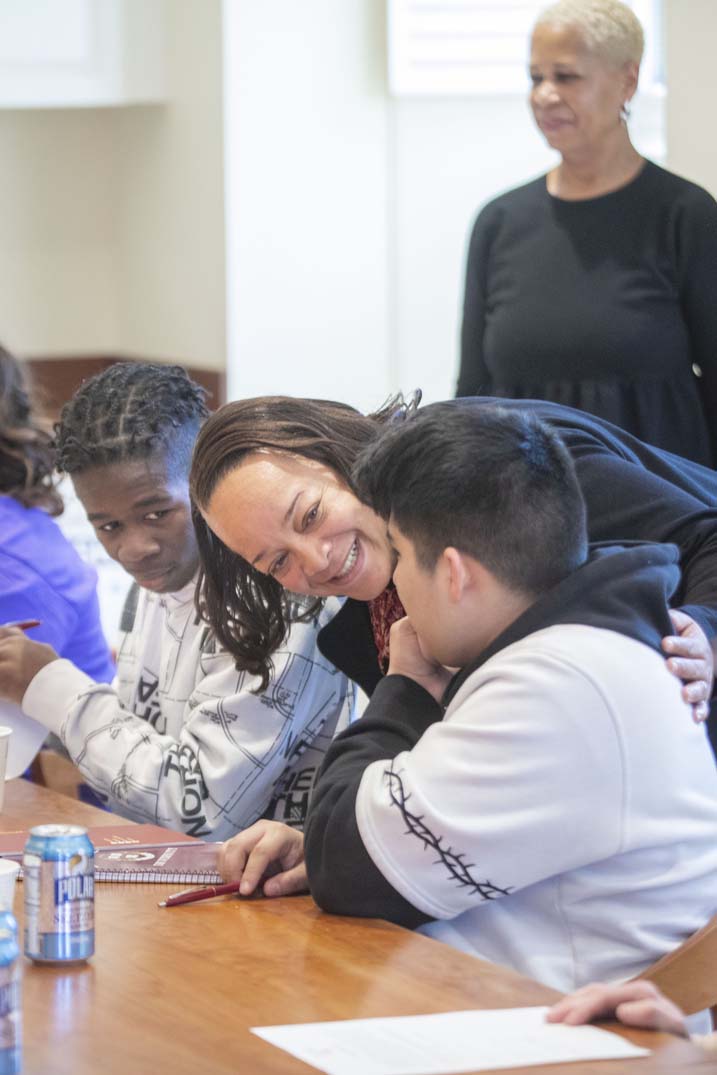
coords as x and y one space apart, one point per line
633 492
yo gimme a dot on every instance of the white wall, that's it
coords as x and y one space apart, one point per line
348 210
308 252
691 32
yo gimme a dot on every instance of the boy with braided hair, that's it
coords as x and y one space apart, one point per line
181 738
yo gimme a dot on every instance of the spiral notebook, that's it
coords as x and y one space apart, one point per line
112 834
186 864
138 853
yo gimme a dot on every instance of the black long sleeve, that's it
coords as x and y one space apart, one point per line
474 377
694 235
342 876
604 304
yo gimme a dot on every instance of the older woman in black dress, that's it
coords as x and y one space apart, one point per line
594 286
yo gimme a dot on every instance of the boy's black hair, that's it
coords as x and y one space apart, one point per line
498 485
131 411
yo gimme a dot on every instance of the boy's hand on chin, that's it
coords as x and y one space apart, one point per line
408 659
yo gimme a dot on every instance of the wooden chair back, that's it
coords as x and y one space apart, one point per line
688 975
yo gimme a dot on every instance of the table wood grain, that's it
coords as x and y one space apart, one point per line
176 990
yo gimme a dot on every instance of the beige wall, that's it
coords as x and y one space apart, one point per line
57 231
690 35
112 221
170 242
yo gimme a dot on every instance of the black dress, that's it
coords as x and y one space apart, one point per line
633 492
607 304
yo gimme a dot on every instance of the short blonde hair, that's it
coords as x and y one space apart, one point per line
609 27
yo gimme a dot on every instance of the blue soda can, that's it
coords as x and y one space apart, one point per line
59 881
10 1010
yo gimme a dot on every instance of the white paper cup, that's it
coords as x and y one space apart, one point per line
5 734
8 876
27 738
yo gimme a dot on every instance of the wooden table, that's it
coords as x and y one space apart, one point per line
176 991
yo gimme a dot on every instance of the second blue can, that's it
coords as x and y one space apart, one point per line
59 882
10 1009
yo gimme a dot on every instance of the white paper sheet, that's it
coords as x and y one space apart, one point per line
445 1043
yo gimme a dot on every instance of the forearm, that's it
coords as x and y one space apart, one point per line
342 875
214 774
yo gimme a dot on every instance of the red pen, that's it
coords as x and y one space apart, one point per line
24 625
192 895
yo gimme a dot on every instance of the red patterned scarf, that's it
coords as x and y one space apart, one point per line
384 610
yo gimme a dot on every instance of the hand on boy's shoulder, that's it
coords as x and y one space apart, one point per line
408 659
20 661
691 659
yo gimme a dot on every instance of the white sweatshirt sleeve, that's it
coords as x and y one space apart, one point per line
231 757
523 779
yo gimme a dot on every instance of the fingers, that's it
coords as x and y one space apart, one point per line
680 620
695 684
653 1014
232 857
241 862
234 853
580 1007
264 848
638 1003
599 1001
687 646
288 883
259 861
691 660
701 712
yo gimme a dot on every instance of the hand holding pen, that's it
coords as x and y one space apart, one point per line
21 658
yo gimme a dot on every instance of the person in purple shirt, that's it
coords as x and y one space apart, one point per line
41 575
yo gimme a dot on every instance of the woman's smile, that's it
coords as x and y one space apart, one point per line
294 519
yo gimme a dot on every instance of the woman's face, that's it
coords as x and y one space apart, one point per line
577 95
293 519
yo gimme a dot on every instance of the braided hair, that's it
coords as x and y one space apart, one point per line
130 411
26 456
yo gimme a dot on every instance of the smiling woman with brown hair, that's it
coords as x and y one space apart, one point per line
276 514
594 286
